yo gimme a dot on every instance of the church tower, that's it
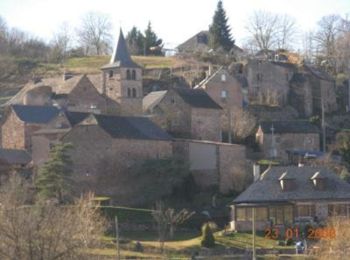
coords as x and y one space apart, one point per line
122 80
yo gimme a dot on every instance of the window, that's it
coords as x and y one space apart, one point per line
134 93
224 94
261 214
129 92
281 214
172 100
244 214
133 75
111 73
128 75
223 77
306 210
338 210
259 77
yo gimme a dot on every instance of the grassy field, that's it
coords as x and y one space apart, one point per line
182 246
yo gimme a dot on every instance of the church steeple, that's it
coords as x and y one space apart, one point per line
121 56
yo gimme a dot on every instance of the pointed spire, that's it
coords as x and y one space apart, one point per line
121 56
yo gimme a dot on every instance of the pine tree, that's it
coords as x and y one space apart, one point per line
54 177
208 239
135 41
219 31
151 41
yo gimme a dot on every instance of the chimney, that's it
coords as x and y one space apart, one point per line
67 75
256 172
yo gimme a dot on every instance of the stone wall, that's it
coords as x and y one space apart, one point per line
101 161
214 163
206 124
302 141
13 132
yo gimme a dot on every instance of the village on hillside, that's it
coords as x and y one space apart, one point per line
238 153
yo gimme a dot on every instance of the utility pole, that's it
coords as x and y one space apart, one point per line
117 236
253 226
323 128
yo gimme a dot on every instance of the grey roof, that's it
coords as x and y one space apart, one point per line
131 127
197 98
12 156
289 127
35 114
76 117
267 189
121 56
152 99
318 72
198 42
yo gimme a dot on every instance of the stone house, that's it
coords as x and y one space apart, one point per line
268 81
283 197
226 90
185 113
210 163
276 138
20 122
309 88
104 145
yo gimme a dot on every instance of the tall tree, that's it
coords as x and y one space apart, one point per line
95 33
135 41
61 43
54 177
219 30
268 30
152 44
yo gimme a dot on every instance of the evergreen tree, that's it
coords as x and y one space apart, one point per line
54 177
208 239
152 45
219 31
135 41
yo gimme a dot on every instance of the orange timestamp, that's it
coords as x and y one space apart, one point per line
294 233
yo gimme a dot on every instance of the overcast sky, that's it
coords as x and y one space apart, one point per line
173 21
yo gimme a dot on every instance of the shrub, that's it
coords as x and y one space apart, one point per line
208 239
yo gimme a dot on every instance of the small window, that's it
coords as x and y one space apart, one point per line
223 77
172 100
128 75
133 75
134 93
259 77
111 73
224 94
129 92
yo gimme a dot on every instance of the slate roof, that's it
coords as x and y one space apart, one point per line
153 99
198 42
319 73
288 127
12 156
35 114
76 117
197 98
131 128
121 56
267 188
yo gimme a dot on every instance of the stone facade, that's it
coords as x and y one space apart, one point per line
184 120
13 132
269 81
225 90
287 141
210 164
91 158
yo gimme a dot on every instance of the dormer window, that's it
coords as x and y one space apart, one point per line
287 182
319 181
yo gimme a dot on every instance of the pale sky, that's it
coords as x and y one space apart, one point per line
173 21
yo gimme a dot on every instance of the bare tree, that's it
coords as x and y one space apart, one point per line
243 124
309 47
46 231
61 43
325 38
268 30
95 33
